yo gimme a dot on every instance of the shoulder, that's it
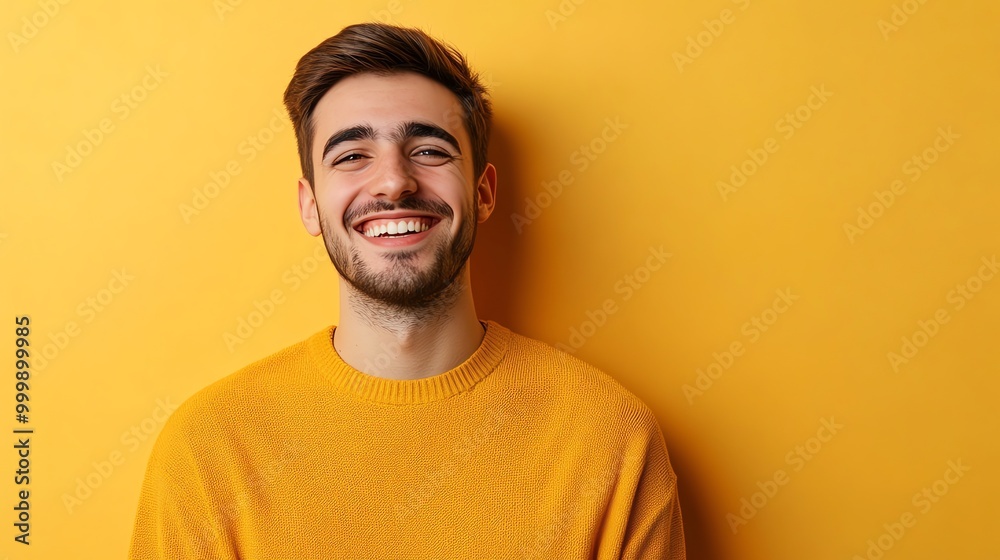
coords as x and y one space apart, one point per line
267 383
580 389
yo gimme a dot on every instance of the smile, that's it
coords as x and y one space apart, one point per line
396 227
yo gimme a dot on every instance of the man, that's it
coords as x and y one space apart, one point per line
411 429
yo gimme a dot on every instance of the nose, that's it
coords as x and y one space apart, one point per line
393 178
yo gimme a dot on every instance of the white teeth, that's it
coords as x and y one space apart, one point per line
397 228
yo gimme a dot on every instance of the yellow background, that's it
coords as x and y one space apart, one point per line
214 74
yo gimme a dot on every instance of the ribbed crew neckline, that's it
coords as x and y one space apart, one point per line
412 391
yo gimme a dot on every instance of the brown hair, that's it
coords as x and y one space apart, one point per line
385 49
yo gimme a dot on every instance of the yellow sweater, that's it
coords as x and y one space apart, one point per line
522 451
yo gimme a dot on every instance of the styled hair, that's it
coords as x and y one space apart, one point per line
383 49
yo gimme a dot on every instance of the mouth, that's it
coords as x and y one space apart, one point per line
396 226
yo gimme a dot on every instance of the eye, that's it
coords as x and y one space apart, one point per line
349 160
432 156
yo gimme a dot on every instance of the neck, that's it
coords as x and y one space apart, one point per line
408 343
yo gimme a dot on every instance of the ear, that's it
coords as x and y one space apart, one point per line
487 191
307 208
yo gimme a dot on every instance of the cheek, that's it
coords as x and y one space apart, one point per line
333 204
449 181
449 184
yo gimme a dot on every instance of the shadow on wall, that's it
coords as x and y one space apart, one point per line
498 274
698 536
496 264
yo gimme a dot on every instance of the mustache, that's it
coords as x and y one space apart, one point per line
417 204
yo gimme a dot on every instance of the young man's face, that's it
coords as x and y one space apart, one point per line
394 194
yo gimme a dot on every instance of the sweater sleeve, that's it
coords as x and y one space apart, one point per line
176 517
645 509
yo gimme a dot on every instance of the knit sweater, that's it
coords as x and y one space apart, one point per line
522 451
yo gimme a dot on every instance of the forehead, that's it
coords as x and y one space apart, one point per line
384 101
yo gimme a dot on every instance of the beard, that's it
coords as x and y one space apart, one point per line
403 286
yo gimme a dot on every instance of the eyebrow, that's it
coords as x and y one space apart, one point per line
403 132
